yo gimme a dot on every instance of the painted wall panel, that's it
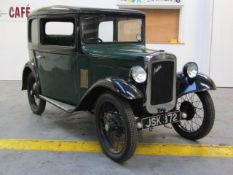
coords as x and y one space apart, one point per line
222 43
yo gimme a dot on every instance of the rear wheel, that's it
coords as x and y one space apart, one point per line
200 111
37 105
116 127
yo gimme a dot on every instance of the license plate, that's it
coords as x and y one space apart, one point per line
161 119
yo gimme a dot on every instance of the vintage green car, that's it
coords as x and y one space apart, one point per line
96 60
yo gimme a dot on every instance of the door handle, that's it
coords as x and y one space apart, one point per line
40 57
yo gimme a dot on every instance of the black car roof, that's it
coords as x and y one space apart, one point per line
58 9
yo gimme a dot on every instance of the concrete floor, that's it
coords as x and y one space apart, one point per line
18 122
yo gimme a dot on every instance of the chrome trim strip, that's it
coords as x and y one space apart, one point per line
153 109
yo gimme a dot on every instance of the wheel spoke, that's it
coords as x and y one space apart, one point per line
198 123
198 116
195 122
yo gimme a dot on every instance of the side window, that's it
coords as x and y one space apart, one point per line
33 31
59 28
97 28
106 31
59 33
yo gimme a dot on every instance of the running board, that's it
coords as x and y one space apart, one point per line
63 106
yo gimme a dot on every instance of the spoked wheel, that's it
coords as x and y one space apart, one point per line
116 127
200 117
37 105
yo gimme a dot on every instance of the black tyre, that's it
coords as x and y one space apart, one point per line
37 105
200 111
116 127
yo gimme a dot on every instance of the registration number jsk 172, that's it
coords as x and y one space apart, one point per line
161 119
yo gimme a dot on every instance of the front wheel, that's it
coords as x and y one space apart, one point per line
200 111
116 127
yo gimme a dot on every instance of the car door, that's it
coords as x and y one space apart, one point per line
56 58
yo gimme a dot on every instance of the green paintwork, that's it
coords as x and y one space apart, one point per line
119 51
57 74
109 60
60 73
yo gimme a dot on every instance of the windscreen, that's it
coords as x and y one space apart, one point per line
113 29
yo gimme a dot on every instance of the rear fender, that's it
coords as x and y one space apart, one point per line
28 68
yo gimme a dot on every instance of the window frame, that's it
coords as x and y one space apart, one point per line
115 28
29 36
58 48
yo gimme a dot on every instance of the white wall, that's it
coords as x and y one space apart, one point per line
195 29
13 49
222 43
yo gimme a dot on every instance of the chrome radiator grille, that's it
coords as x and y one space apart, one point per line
161 92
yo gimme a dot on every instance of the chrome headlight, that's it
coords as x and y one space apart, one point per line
190 69
138 74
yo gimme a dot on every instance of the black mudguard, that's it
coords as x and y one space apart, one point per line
29 67
121 87
201 83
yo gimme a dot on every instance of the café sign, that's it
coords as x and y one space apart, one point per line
14 11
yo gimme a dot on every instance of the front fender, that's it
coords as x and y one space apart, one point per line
201 83
121 87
